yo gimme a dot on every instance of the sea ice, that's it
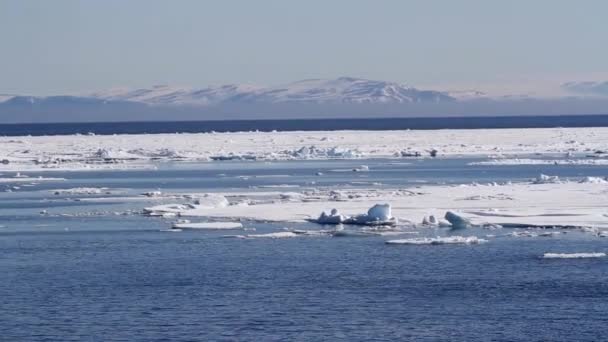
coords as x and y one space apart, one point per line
377 215
464 240
277 235
594 180
209 225
545 179
573 255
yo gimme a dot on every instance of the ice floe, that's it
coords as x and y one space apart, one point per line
208 225
525 161
449 240
81 191
276 235
98 152
573 255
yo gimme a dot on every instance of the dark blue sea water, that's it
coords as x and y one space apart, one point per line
108 276
470 122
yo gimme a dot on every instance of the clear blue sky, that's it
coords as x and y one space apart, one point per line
59 46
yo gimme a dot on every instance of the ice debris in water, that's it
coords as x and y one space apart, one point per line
379 214
310 152
462 240
209 225
594 180
545 179
573 255
277 235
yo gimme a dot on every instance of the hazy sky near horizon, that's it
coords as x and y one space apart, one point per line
71 46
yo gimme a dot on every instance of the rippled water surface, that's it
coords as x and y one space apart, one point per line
108 274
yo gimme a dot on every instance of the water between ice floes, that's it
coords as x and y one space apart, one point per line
104 272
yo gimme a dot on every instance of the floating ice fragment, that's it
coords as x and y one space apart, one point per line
277 235
209 225
573 255
463 240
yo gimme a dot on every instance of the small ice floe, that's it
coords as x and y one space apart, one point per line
378 215
525 233
361 168
276 235
80 191
545 179
460 240
457 221
209 225
573 255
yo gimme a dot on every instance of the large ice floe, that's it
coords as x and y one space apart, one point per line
109 152
565 204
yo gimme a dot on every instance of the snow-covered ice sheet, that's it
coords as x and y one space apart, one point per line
563 204
83 152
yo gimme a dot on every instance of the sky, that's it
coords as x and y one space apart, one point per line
69 46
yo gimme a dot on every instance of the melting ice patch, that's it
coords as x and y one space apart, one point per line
573 255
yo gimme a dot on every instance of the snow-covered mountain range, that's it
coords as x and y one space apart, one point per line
313 98
340 90
313 91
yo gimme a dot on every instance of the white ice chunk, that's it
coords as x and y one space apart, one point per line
333 217
457 221
594 180
545 179
380 212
